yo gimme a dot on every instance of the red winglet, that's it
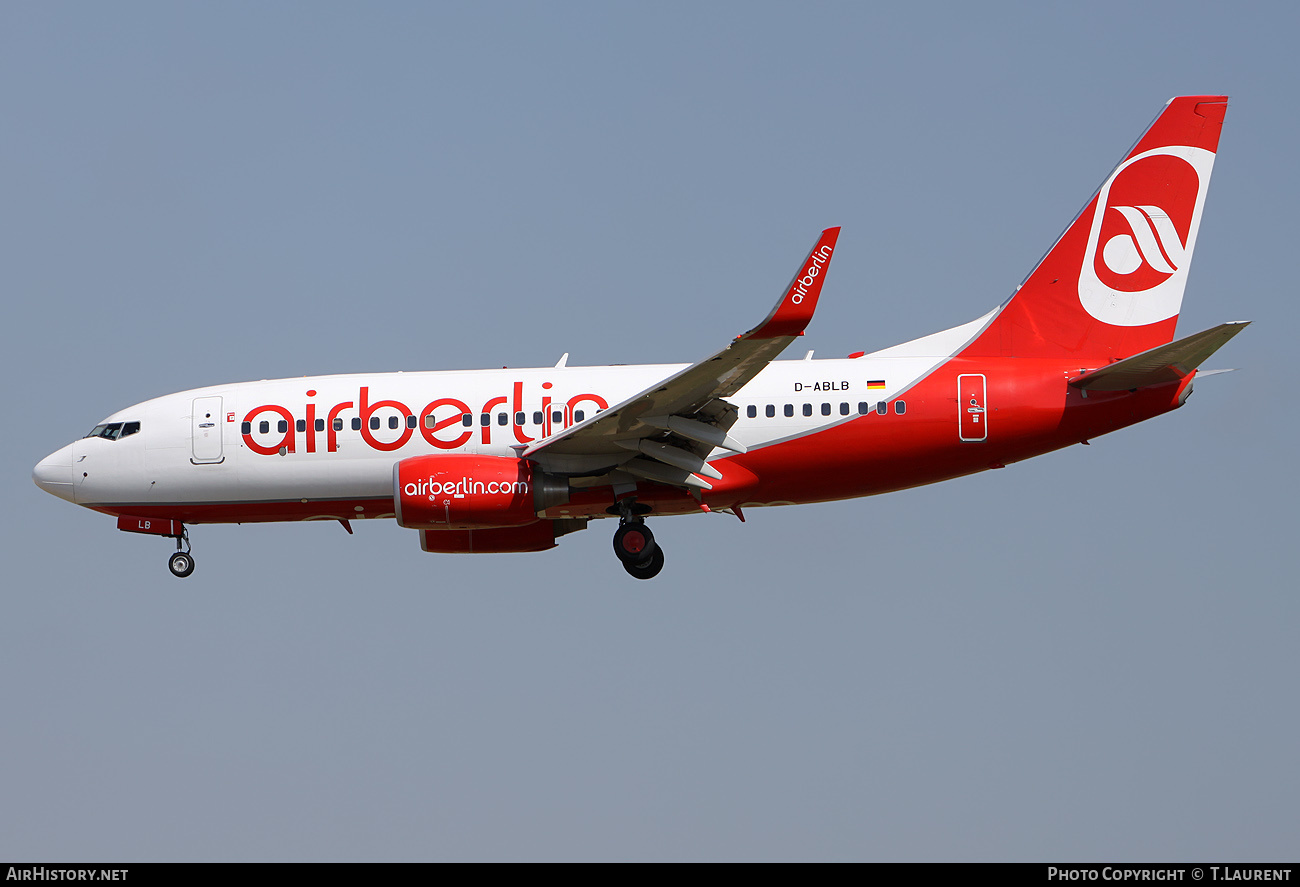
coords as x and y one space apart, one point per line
797 305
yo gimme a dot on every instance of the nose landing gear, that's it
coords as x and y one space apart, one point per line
635 545
181 563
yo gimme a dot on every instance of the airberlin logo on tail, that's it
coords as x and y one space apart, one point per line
1152 241
1142 235
811 271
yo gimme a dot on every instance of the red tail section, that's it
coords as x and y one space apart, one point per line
1112 285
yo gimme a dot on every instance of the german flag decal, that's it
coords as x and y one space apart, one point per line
876 385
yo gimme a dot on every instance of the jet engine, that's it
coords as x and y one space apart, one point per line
464 492
537 536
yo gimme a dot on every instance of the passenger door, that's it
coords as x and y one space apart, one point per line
205 425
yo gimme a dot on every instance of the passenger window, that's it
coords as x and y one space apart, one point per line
300 425
579 415
320 424
807 409
338 424
882 408
557 417
264 427
410 421
537 417
245 427
503 418
520 417
374 423
844 408
467 419
900 407
751 411
393 422
356 423
282 426
826 409
771 411
485 419
863 408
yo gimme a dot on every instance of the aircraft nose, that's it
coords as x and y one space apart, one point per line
53 474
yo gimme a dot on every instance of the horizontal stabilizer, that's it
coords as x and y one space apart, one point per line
1165 363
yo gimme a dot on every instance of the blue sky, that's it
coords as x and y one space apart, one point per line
1088 656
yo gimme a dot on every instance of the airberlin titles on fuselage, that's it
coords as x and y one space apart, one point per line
435 418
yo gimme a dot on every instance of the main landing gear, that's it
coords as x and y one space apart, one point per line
634 543
181 563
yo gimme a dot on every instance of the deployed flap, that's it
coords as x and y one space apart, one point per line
694 391
1164 363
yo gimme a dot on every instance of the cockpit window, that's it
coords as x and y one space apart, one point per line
114 430
109 431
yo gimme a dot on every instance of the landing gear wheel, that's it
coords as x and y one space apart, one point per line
649 568
633 542
181 563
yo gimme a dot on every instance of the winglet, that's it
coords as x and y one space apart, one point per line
799 301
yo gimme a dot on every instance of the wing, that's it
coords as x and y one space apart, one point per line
665 432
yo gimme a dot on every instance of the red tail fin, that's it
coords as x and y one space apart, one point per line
1113 284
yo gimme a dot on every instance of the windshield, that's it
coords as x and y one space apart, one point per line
114 430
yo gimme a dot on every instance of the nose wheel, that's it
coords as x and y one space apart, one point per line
181 562
636 548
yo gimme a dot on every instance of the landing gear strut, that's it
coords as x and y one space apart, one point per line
635 545
181 563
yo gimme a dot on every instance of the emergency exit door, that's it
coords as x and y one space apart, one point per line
972 407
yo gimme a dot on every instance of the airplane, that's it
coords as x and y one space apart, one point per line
511 460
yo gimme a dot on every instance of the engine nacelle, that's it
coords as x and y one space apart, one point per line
537 536
462 492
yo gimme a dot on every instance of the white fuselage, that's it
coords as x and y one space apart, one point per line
336 437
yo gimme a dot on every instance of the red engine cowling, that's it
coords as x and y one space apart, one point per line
462 492
537 536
